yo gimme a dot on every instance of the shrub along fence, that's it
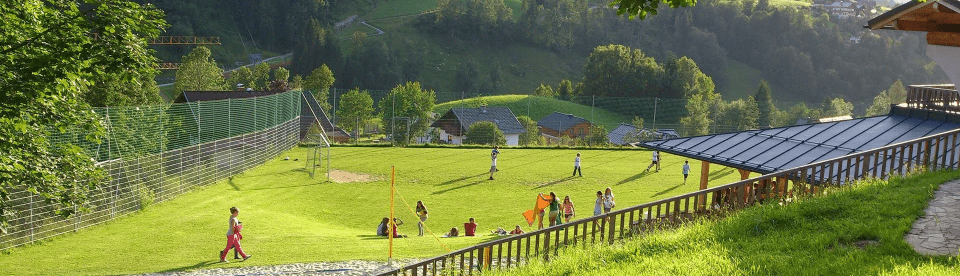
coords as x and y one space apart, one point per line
927 153
155 153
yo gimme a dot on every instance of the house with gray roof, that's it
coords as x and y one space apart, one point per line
454 124
557 124
621 134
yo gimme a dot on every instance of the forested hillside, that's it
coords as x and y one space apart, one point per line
510 47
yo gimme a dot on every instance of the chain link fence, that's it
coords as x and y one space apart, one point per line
156 153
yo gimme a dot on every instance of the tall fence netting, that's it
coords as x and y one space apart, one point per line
155 153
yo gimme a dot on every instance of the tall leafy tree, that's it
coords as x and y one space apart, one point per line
697 121
356 107
260 77
597 136
48 60
617 70
565 90
641 8
740 114
319 82
281 74
199 72
765 105
532 135
407 105
240 76
544 90
485 133
837 107
880 106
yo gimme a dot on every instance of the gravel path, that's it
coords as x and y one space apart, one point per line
334 268
938 231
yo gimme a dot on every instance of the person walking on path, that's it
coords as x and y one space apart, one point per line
422 213
656 161
233 236
686 171
568 211
576 166
493 163
554 209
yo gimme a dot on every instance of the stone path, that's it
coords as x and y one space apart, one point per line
334 268
937 232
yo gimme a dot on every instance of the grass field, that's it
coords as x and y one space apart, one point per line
540 107
291 218
813 237
392 8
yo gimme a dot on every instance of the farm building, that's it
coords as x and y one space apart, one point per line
557 124
454 124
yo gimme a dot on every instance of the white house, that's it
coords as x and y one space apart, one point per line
454 124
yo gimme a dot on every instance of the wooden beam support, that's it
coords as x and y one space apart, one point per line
943 38
704 178
744 174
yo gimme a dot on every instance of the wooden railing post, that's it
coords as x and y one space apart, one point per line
612 227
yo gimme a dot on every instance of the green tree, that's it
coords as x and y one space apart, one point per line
407 105
532 135
113 90
837 107
640 8
319 82
485 133
880 106
697 121
48 60
741 114
297 82
199 72
544 90
619 71
897 93
261 76
685 79
281 74
241 75
356 107
765 105
597 136
565 90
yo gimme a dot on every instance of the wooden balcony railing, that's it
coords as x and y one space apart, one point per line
934 97
928 153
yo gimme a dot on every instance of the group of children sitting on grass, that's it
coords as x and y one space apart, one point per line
469 229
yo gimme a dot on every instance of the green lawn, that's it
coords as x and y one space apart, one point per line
291 218
813 237
540 107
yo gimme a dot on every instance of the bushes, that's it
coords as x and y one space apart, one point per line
485 133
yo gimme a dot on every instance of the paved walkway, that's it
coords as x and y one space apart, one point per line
345 268
937 232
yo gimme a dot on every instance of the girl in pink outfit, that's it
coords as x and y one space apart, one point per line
233 236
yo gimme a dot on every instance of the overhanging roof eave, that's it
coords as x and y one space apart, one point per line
711 160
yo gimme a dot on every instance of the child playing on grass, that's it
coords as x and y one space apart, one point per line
516 231
554 208
470 228
686 170
397 221
597 206
608 202
382 228
493 163
656 161
576 166
568 211
453 233
422 213
233 236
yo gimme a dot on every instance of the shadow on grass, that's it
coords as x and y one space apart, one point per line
191 267
460 187
234 185
666 191
287 187
555 182
632 178
462 179
722 173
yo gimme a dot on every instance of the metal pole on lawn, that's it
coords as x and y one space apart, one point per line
654 114
390 225
393 120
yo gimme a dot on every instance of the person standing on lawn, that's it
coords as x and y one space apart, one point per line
656 161
554 209
493 163
686 170
233 236
568 211
422 213
576 166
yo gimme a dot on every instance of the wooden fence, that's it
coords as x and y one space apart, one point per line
928 153
934 97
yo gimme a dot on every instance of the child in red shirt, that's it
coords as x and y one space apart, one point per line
470 228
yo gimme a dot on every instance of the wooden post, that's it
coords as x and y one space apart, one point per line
487 258
704 178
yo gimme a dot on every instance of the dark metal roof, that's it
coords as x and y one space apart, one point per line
883 21
505 120
559 120
616 135
775 149
203 96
